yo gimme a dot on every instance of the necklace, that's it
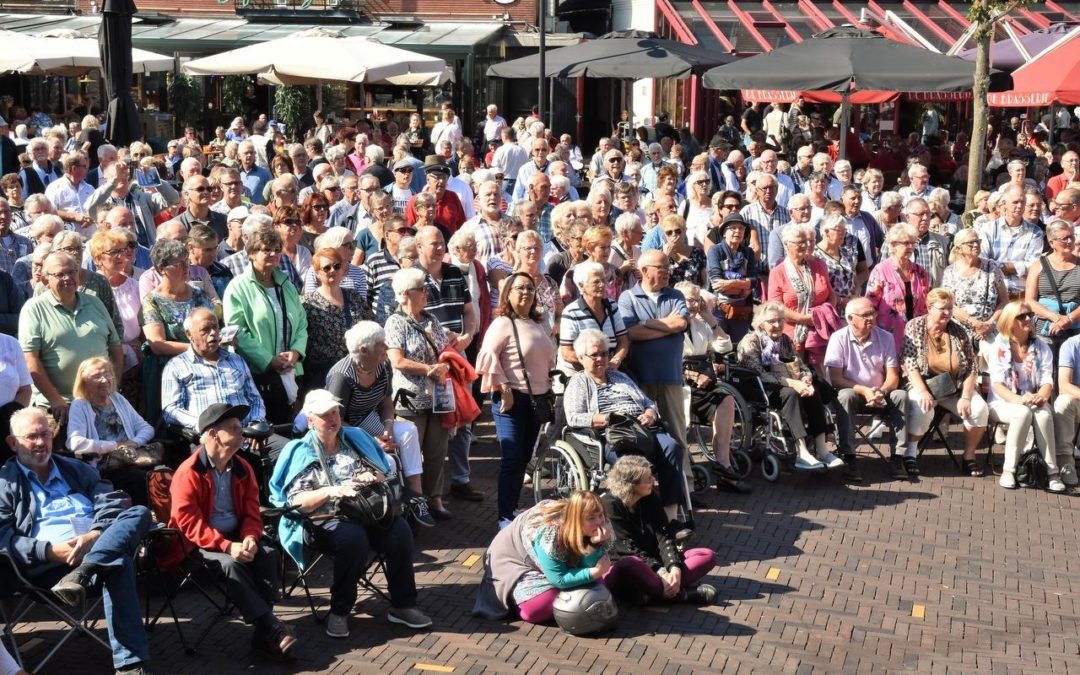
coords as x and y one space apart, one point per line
366 371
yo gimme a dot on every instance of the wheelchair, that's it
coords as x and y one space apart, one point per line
699 429
578 460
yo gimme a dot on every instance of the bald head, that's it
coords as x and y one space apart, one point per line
172 229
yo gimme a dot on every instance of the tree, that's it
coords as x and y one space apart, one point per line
233 88
985 14
185 99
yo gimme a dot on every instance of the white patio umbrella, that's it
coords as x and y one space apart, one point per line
318 55
65 52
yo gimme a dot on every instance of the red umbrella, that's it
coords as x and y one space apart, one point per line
1051 77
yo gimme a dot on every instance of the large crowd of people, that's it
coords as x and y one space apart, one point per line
368 291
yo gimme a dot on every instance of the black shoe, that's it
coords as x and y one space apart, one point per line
465 491
679 531
704 594
896 465
276 640
419 513
727 480
71 589
851 472
440 512
135 669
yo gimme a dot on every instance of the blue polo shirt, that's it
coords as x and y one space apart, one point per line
1069 357
254 181
57 508
656 361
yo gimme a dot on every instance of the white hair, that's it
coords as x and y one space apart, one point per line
588 337
461 238
583 269
626 222
364 335
891 199
254 223
334 153
104 149
334 237
374 154
561 182
405 280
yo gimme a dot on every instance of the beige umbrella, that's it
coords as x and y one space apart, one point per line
65 52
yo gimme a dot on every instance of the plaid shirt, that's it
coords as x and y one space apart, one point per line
190 384
1018 246
488 241
13 247
756 217
544 226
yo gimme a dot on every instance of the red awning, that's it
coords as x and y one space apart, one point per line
857 98
1052 77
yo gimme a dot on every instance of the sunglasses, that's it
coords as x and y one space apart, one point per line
291 222
332 267
201 189
1025 316
407 169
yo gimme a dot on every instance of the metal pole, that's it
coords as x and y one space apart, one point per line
845 114
543 66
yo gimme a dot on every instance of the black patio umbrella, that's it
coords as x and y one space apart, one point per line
846 59
123 125
622 55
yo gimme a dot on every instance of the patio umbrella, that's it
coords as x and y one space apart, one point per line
621 55
847 59
1004 54
1051 77
122 123
319 55
66 52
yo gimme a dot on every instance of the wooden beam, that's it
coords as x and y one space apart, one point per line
711 25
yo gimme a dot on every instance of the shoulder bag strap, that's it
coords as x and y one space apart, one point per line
286 325
416 325
517 345
1053 284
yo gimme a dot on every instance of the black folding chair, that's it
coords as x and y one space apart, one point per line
26 596
942 435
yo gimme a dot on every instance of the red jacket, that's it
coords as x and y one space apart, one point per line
448 212
192 493
461 377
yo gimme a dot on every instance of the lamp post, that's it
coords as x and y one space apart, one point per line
540 88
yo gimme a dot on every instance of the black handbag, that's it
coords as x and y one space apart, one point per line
375 504
627 436
543 405
942 385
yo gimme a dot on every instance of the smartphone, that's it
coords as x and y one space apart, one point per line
228 333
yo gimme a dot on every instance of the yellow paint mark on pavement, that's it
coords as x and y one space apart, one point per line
471 560
773 574
434 668
918 611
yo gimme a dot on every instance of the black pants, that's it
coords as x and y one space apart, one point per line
253 586
804 416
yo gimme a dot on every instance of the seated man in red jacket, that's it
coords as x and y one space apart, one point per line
215 506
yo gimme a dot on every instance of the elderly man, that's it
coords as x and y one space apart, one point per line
931 249
823 163
1067 205
764 215
1070 165
485 224
232 191
118 189
918 183
535 212
653 163
864 369
42 171
509 157
1012 242
862 224
253 176
353 212
302 168
493 124
318 173
61 328
767 164
215 507
70 193
198 276
191 166
539 164
284 191
728 170
656 317
65 527
803 167
449 300
12 246
401 189
448 210
1017 170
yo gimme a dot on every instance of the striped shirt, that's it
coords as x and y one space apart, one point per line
446 300
355 280
758 218
361 403
1019 246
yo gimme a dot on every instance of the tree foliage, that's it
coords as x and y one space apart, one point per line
185 99
233 88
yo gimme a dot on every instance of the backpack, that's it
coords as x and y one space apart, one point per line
1031 470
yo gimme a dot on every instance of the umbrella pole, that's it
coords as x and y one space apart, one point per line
318 95
845 114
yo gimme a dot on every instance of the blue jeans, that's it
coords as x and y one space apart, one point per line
668 466
113 553
457 462
517 431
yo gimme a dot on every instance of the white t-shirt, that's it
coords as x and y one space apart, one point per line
13 374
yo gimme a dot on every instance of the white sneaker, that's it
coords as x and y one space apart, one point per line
504 523
831 461
1067 474
1008 480
1056 485
807 462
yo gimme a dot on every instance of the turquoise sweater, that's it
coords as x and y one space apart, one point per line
248 307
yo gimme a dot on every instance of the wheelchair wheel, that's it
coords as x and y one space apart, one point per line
741 462
558 472
699 437
770 467
702 477
743 428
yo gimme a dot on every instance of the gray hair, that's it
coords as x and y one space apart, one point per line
587 337
625 475
915 202
771 307
22 419
1014 163
426 198
583 269
66 236
461 238
626 222
561 182
189 320
831 221
891 199
165 251
406 280
849 310
374 154
39 200
793 231
364 335
901 231
104 149
254 223
916 169
334 153
1058 224
335 237
45 224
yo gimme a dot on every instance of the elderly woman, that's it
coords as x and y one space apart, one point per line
513 363
313 473
733 272
687 262
414 341
897 286
271 324
977 285
708 402
280 165
592 310
770 352
626 248
817 189
1052 288
600 391
873 182
354 277
331 310
596 243
424 206
529 247
840 260
313 216
698 207
554 546
599 201
370 239
801 285
938 353
892 206
288 224
11 189
361 381
113 257
938 201
1021 387
106 431
647 565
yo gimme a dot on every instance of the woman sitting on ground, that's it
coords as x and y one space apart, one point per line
646 561
554 546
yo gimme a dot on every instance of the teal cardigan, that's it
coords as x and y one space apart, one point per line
247 306
295 458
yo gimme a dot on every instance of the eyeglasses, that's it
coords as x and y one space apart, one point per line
798 208
231 183
43 437
407 169
115 252
290 222
1025 316
903 243
333 267
73 250
672 233
200 189
271 251
1067 237
703 183
406 230
972 244
63 275
286 191
866 316
597 356
320 207
614 160
332 188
